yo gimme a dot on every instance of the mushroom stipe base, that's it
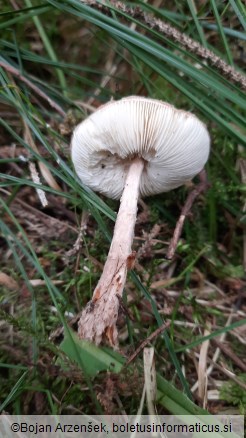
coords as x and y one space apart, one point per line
98 320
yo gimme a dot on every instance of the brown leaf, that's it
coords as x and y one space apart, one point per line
8 282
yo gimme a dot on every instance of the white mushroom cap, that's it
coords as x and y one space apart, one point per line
173 143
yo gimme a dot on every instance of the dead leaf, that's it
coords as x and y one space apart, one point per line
8 282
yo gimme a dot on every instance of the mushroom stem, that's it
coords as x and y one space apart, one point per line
98 319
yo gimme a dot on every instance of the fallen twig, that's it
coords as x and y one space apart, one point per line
146 341
201 187
17 74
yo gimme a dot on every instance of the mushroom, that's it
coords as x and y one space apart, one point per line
128 148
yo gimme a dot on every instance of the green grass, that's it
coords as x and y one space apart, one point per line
58 71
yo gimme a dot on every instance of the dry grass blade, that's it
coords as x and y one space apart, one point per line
228 352
221 367
46 173
150 379
215 356
35 177
38 282
82 231
202 375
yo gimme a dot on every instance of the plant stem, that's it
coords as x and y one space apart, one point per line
99 318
